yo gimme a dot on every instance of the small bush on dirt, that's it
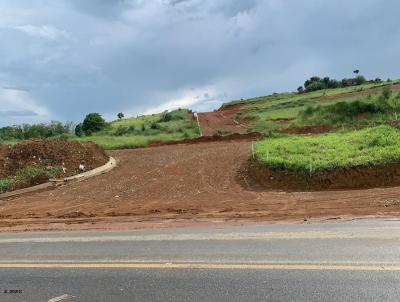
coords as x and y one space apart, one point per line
5 183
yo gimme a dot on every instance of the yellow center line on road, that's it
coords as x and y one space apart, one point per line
211 266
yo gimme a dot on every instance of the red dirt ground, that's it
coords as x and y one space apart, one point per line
184 183
223 119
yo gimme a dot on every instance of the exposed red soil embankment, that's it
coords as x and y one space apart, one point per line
221 122
354 178
185 182
49 153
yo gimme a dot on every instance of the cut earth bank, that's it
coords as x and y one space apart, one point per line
185 184
34 162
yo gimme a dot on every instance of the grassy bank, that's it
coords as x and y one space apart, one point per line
371 146
140 131
109 142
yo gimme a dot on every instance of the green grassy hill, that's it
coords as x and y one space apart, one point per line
323 107
140 131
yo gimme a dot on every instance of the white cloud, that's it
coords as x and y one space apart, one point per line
17 106
43 31
187 98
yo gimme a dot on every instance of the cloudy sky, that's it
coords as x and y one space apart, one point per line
62 59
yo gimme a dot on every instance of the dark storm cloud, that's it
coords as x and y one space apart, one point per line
64 59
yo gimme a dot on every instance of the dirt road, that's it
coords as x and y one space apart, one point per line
221 122
202 181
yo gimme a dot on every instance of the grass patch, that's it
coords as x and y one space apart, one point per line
379 145
28 173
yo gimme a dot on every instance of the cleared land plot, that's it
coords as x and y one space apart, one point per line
202 181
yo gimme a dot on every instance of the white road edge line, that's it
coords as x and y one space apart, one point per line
378 234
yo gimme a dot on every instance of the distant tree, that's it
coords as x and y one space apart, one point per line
356 71
312 80
360 80
314 86
120 116
315 79
93 122
334 83
78 130
326 81
300 89
378 80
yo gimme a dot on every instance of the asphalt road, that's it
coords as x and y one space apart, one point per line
357 261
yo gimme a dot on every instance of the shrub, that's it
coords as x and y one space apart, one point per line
121 130
300 89
360 80
154 126
387 92
5 183
78 130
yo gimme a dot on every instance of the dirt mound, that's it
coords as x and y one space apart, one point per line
49 153
354 178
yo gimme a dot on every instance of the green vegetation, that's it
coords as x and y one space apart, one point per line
285 110
28 173
316 83
21 132
372 146
368 110
139 132
92 123
120 134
